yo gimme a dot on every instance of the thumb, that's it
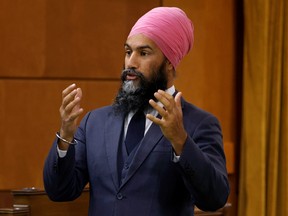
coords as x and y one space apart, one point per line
178 99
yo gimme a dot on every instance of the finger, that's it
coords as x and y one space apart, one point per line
154 119
69 98
73 104
178 100
71 112
79 93
76 114
158 108
166 99
165 94
67 90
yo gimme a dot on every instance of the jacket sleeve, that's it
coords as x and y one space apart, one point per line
203 165
65 178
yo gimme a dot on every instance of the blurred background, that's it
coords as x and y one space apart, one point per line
237 70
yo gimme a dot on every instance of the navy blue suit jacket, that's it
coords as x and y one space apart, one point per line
154 185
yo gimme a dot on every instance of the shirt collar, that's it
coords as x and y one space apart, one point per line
171 90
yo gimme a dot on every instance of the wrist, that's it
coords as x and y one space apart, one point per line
62 140
66 136
179 144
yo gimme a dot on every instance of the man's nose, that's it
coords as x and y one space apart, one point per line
132 61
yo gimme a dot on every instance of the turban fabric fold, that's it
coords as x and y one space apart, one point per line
170 29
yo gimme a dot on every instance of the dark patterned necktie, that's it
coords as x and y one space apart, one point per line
135 131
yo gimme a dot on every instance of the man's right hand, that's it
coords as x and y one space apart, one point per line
70 110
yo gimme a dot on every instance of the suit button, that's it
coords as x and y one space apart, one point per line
119 196
126 166
55 167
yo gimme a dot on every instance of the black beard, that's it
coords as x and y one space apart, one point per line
131 97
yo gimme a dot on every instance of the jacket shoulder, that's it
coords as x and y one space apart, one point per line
198 114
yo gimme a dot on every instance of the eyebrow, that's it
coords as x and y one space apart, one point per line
140 47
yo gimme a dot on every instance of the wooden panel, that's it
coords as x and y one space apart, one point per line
29 118
86 38
22 37
66 38
5 198
230 157
15 211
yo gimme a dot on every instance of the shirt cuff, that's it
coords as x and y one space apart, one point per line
61 153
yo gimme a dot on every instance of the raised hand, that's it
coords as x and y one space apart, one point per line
171 121
69 110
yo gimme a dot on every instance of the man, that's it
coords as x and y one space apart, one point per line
176 162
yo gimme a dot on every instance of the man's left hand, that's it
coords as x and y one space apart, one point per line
171 121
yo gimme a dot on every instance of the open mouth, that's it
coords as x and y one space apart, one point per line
131 76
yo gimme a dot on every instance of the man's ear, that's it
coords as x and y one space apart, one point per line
169 66
170 69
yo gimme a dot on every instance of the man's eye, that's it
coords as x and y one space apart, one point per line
144 53
128 52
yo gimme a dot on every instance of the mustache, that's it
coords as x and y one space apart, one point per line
131 71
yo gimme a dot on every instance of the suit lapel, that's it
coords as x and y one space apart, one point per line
152 137
113 131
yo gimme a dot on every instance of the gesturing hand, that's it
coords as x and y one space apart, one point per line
69 111
171 121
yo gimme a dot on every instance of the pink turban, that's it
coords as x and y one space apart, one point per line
170 29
